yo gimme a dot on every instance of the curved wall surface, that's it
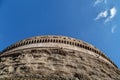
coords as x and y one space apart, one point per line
57 41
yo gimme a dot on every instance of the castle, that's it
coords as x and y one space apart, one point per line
56 57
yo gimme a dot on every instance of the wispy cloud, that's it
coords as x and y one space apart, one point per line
103 14
100 1
107 14
113 29
97 2
113 12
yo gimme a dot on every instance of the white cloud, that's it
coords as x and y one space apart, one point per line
97 2
103 14
113 29
113 12
107 14
100 1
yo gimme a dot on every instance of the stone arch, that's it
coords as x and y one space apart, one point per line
85 47
56 40
46 40
38 41
59 41
62 41
81 46
88 48
92 50
32 41
64 38
29 42
25 42
50 40
97 52
43 40
35 40
75 43
65 41
70 43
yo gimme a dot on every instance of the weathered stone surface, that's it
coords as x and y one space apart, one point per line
55 58
55 64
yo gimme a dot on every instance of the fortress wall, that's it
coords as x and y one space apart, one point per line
58 41
58 45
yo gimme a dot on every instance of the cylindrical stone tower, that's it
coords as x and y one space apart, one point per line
55 58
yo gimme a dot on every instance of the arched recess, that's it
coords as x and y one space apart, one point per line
59 41
53 40
64 41
56 40
38 41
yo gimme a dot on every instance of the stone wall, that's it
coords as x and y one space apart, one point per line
55 64
57 41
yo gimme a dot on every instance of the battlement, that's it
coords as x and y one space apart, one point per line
64 42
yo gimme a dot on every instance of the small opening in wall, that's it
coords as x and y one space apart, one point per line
62 41
57 41
65 42
37 41
54 40
51 40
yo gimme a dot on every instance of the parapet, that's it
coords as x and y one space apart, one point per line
56 41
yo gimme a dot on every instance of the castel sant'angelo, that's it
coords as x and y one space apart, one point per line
55 58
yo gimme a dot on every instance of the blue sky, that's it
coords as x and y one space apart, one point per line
94 21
